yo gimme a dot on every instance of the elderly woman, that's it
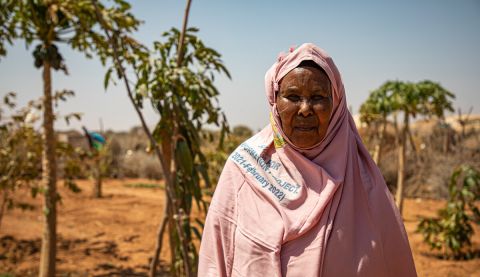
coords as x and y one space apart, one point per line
303 197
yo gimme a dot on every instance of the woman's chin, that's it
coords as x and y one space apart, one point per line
305 138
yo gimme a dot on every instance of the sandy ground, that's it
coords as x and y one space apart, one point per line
115 235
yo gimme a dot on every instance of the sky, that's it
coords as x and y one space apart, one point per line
370 42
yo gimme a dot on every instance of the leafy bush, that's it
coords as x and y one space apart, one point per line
21 152
451 232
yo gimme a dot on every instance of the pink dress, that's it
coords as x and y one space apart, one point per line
283 211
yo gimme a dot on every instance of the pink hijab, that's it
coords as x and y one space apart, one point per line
280 210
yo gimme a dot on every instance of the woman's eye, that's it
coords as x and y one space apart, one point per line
317 98
293 98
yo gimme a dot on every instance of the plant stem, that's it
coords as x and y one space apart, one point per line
181 41
159 243
97 175
49 180
401 164
378 146
4 202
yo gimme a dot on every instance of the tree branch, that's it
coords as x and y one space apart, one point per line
181 41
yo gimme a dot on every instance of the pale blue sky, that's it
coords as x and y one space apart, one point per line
370 41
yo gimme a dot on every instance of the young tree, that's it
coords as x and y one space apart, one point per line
425 98
49 23
411 99
184 96
452 230
98 154
177 79
405 100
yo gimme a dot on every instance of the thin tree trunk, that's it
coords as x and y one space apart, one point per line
97 176
378 147
180 55
446 140
395 127
160 235
182 34
171 239
167 153
414 147
167 149
446 136
96 167
401 165
49 179
4 203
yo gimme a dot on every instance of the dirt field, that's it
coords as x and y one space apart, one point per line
115 236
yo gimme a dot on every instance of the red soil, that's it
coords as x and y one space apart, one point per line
115 235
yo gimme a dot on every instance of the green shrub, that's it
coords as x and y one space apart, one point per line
451 232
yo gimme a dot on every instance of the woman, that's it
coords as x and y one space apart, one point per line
303 197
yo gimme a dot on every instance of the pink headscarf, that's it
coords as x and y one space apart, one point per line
286 63
321 211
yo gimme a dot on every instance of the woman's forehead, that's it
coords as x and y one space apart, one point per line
303 74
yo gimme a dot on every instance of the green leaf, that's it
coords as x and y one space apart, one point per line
106 80
184 157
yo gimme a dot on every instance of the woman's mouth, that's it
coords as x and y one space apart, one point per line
305 128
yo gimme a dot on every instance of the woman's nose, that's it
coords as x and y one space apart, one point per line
305 108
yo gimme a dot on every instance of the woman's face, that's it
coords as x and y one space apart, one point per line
304 103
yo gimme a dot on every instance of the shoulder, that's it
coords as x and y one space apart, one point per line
256 145
232 178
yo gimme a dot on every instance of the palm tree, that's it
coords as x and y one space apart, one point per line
410 99
426 98
405 100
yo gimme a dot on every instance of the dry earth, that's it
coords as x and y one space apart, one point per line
115 236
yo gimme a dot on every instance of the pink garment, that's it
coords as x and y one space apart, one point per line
279 210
